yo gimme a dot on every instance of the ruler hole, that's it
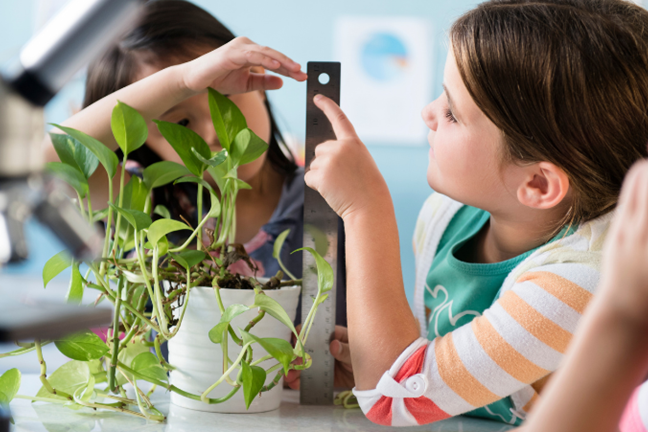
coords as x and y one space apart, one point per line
324 78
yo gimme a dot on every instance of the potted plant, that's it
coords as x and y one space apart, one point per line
230 335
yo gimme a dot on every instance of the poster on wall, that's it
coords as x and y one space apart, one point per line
386 76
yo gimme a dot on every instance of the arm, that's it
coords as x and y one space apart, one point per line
226 69
609 357
381 324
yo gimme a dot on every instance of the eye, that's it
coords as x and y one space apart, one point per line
451 118
183 122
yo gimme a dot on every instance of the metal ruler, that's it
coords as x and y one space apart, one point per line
320 233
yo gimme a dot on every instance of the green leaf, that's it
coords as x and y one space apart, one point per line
278 244
135 194
247 147
161 173
274 309
233 311
162 211
68 378
128 127
106 156
324 271
97 370
183 140
162 227
215 209
322 299
253 378
278 348
147 364
195 180
218 174
75 154
9 385
70 175
99 215
133 277
55 265
192 257
215 160
139 220
227 118
128 354
75 291
82 346
216 333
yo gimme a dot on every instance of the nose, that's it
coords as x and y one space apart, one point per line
208 133
429 116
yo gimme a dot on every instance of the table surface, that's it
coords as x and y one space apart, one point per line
36 417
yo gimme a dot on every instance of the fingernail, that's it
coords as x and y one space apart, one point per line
318 97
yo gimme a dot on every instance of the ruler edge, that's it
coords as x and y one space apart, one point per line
332 298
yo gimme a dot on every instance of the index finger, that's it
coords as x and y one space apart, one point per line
341 125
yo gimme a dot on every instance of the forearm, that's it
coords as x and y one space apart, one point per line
151 96
608 359
381 323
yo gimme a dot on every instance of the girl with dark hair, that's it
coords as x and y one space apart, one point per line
544 110
162 68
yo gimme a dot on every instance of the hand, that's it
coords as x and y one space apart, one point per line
343 171
227 69
343 372
625 254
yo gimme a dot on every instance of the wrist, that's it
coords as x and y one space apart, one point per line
179 77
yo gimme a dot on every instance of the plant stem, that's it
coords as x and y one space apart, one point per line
199 245
43 375
104 254
191 237
255 320
115 337
176 389
22 351
274 382
225 373
121 200
156 344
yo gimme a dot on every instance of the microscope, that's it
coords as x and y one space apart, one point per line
83 29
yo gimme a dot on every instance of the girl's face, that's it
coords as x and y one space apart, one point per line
194 114
465 159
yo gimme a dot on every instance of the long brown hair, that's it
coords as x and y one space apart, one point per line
566 81
169 31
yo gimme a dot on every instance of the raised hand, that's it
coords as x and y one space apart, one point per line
228 68
625 255
343 171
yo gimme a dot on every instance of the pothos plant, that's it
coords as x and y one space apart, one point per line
138 256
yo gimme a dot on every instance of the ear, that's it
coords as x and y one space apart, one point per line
544 187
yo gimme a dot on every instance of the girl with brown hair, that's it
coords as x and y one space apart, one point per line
543 112
162 68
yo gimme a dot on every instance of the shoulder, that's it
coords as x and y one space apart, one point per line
573 261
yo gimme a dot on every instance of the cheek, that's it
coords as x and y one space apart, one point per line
250 170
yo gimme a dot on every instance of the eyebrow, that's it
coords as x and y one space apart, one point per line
450 103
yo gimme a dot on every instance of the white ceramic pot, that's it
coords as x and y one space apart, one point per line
199 361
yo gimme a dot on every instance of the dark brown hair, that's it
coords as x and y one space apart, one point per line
169 32
566 81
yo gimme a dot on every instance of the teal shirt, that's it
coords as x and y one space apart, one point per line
457 291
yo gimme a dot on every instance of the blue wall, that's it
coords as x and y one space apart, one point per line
303 30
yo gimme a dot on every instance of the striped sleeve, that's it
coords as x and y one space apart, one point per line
516 342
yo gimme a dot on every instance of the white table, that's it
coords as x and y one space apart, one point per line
289 417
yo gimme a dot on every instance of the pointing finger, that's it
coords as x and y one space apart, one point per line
341 125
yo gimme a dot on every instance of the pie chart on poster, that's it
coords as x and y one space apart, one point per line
384 57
